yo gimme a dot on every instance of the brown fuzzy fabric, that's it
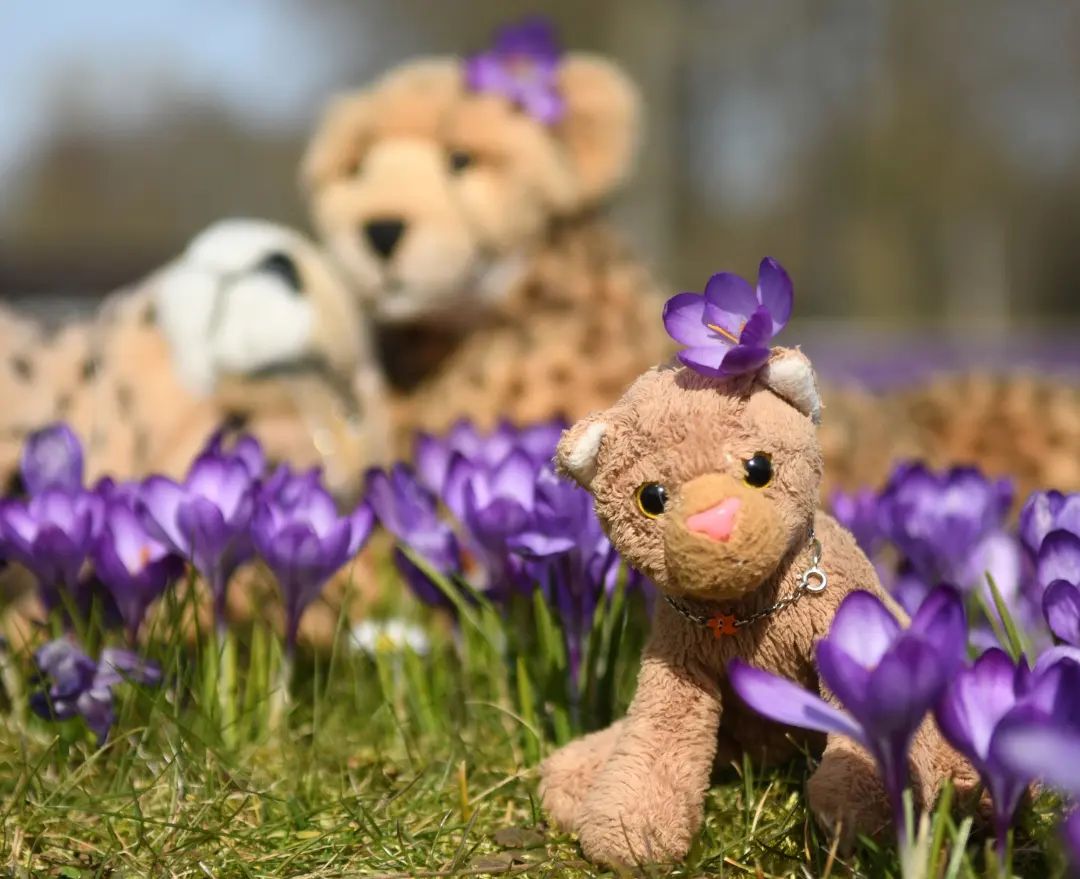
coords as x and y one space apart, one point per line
1024 426
634 793
584 299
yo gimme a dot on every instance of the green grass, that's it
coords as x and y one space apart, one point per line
398 765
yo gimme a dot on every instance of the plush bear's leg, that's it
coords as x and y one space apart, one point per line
567 775
646 804
846 794
847 787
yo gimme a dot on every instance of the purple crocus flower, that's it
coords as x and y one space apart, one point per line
1046 511
494 506
76 686
52 535
1061 604
979 700
939 520
409 512
522 67
1043 739
52 458
288 489
729 328
434 454
206 519
244 448
1057 571
135 568
886 677
569 556
950 528
304 542
858 512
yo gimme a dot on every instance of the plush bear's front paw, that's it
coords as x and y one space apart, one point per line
568 774
624 825
632 838
847 797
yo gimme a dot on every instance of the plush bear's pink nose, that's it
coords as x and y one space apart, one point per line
717 522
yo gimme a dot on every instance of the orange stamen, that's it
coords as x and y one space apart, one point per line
733 339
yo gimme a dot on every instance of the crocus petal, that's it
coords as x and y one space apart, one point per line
731 294
684 319
52 458
743 359
544 104
127 666
940 622
845 677
361 522
458 475
758 330
540 545
785 702
157 508
775 292
908 680
1061 604
708 360
204 531
431 458
1038 749
1052 656
1059 558
863 628
515 479
976 700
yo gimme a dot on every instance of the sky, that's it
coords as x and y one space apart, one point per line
112 57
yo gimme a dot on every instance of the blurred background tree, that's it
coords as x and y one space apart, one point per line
913 164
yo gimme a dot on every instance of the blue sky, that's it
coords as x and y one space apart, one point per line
269 61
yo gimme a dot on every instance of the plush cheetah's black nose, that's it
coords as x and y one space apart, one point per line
383 235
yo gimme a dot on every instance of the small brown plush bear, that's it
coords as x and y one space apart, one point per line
710 487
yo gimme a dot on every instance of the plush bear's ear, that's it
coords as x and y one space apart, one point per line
578 449
338 141
600 128
789 375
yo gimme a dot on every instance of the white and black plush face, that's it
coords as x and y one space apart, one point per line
248 296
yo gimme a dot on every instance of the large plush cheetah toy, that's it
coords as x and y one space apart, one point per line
249 328
463 199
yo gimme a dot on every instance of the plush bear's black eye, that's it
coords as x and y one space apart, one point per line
460 160
759 470
651 499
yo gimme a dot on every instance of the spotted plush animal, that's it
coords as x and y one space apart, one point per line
1021 425
470 225
249 328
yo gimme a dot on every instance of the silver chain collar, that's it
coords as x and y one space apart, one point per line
813 580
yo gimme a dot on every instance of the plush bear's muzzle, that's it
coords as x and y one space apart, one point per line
722 538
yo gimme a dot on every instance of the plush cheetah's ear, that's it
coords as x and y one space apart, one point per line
601 125
578 450
338 142
790 376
